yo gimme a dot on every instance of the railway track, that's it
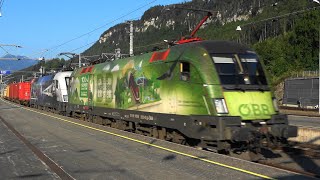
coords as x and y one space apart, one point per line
299 111
298 152
305 173
295 157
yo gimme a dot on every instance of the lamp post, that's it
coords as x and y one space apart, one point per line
239 30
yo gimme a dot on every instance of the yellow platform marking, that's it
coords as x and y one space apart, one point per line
149 144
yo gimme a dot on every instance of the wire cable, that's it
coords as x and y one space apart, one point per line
1 3
83 46
4 50
100 27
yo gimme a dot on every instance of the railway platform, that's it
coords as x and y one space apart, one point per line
40 145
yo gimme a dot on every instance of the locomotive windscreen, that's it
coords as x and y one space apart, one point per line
239 69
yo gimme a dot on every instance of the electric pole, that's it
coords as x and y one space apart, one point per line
131 38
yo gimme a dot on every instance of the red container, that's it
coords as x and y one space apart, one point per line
14 91
24 91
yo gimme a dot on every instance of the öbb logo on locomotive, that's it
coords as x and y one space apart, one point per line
256 109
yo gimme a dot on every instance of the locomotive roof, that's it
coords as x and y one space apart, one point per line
62 75
221 47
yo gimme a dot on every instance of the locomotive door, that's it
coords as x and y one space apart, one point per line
189 90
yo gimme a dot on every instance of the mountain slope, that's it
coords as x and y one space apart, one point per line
13 62
296 34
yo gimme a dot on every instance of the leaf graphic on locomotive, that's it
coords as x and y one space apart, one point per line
134 88
104 87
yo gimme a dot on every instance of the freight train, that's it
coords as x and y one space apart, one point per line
18 92
212 94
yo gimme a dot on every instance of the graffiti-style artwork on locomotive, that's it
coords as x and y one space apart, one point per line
134 88
115 88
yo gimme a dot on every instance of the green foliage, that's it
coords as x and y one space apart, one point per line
294 51
54 64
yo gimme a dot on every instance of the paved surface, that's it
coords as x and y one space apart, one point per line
89 154
304 121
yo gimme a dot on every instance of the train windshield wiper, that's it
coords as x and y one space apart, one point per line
239 88
236 87
261 89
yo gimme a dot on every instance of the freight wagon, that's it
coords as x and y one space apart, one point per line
24 93
14 92
7 90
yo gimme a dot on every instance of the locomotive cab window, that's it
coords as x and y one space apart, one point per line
67 81
243 70
184 71
56 84
227 68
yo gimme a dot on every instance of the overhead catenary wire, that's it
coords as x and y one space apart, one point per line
100 27
4 50
1 3
136 18
83 46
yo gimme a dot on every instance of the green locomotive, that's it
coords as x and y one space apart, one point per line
207 93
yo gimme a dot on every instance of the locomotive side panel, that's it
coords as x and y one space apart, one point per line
42 89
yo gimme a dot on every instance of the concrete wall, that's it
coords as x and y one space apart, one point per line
308 135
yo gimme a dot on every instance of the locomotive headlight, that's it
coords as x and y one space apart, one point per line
221 106
275 104
65 98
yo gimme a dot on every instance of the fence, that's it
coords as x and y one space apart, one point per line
301 92
306 74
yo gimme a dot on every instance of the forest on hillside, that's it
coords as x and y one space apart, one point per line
284 33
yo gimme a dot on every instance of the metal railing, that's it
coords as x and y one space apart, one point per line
305 74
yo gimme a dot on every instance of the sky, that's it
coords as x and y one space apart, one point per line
39 26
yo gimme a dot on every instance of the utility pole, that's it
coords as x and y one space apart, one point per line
79 60
131 38
1 86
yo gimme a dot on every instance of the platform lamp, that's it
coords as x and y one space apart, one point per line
238 29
